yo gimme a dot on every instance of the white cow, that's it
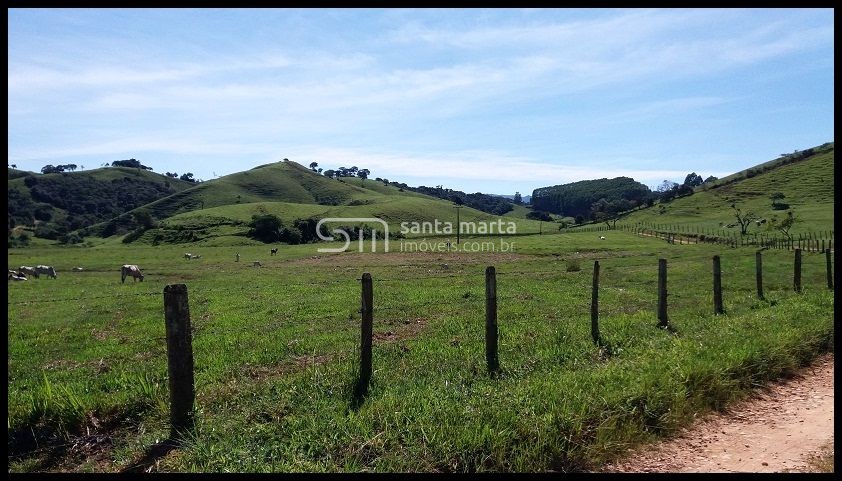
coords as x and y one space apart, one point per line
28 271
602 237
48 270
188 255
130 270
14 276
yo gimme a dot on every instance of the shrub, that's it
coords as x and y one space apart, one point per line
573 265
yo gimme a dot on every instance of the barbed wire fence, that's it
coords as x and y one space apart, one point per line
180 330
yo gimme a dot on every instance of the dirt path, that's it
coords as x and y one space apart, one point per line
776 431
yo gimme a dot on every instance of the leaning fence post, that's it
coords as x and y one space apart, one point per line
179 358
367 311
829 270
663 321
717 287
797 273
595 304
758 265
491 358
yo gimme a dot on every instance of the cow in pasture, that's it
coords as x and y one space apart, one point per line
602 237
237 257
192 256
14 276
188 255
78 269
273 251
257 264
130 270
48 270
28 271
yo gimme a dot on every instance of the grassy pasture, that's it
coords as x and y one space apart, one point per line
275 352
807 185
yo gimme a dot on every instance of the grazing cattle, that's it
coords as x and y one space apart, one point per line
28 271
188 255
257 264
238 257
14 276
78 269
273 251
48 270
602 237
130 270
192 256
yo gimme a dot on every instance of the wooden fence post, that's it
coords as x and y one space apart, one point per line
179 359
491 358
758 266
366 328
717 287
829 269
797 273
663 320
595 304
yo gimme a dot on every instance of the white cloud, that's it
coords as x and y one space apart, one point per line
478 165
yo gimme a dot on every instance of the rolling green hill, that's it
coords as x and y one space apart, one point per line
807 185
215 210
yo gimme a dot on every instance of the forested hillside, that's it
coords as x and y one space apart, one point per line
578 198
54 204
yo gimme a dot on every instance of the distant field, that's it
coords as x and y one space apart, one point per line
275 350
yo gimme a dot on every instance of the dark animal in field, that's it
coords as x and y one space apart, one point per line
49 271
273 251
257 264
130 270
28 271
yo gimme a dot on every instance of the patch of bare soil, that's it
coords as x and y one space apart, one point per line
781 429
402 330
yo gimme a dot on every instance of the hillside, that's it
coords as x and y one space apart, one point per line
576 198
223 207
807 186
54 204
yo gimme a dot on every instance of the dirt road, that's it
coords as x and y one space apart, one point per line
776 431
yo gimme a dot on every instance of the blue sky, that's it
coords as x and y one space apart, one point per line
494 100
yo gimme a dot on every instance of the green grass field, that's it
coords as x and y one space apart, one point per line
807 185
276 350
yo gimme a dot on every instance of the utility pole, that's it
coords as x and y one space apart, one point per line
458 224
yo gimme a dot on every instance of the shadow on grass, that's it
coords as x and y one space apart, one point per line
150 458
358 395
